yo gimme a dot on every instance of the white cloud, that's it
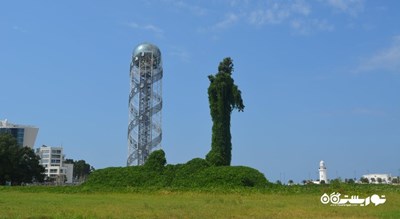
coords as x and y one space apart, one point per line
387 59
273 15
308 26
153 28
179 53
229 20
184 6
301 8
352 7
277 12
239 3
148 27
296 14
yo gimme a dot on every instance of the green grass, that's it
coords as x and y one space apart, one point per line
273 202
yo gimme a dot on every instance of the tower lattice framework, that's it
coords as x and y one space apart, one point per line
145 103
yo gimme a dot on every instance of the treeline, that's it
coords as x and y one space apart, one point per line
18 165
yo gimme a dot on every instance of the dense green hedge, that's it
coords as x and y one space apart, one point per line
197 173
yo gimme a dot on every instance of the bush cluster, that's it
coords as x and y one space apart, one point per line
197 173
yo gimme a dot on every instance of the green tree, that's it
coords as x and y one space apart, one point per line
364 180
28 168
81 169
18 164
8 155
224 96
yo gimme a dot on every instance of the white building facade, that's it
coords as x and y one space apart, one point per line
25 135
378 178
53 160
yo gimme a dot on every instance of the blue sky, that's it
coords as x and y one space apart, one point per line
320 79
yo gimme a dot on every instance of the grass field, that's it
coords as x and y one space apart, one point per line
68 203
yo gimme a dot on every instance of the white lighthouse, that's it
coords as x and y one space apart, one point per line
322 172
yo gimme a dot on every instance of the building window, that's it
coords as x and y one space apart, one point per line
55 161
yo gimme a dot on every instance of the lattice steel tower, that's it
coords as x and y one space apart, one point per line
145 103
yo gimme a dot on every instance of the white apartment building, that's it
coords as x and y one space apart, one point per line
53 160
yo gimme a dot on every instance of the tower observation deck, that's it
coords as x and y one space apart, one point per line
145 103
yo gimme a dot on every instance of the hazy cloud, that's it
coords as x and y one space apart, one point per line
387 59
355 111
148 27
239 3
367 112
301 7
274 14
352 7
228 21
179 53
19 29
183 5
296 14
308 26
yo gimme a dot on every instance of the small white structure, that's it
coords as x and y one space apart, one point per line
53 160
25 135
378 178
322 172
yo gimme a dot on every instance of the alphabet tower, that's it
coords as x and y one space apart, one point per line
145 103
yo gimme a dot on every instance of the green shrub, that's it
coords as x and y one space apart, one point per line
185 173
197 173
156 161
230 176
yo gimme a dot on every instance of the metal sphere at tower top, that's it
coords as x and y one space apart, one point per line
145 103
147 47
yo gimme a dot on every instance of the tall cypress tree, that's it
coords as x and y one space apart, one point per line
224 96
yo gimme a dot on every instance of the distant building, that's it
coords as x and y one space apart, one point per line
25 135
378 178
53 160
322 172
